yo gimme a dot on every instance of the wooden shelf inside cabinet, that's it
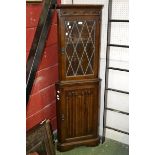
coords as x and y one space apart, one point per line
78 89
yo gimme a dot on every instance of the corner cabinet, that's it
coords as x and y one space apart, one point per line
78 89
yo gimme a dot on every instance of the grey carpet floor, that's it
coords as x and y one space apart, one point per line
109 147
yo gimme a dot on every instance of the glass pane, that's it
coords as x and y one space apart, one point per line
79 47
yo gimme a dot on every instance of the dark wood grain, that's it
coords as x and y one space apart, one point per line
77 112
78 89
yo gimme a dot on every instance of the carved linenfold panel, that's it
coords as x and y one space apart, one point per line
79 112
80 47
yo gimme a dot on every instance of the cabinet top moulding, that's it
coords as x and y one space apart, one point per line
73 6
88 9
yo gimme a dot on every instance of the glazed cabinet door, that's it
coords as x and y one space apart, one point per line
79 49
79 112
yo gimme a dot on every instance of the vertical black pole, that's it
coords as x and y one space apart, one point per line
106 70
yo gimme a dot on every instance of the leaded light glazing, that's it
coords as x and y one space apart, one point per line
80 47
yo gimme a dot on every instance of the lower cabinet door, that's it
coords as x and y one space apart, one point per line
78 110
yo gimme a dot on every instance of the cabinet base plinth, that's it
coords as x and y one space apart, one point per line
70 145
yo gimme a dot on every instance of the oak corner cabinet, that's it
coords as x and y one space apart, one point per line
78 89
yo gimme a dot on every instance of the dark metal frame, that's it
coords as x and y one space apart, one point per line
127 133
119 20
118 69
118 111
38 44
116 45
119 91
107 73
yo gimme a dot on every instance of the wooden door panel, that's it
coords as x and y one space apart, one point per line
79 107
79 112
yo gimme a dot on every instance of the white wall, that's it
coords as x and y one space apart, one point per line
118 58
